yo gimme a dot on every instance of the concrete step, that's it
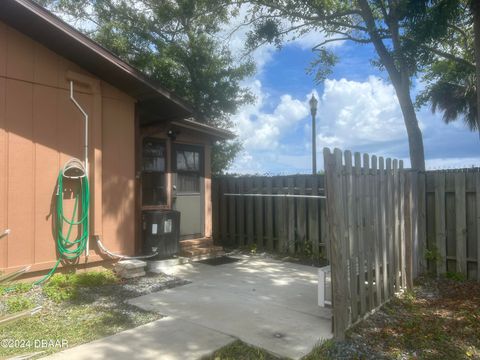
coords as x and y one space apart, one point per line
165 265
197 251
187 244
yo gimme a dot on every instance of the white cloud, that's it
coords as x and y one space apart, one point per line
355 113
359 116
260 130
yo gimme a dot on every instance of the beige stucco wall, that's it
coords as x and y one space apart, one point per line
39 130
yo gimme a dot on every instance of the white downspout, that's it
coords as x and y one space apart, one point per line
85 115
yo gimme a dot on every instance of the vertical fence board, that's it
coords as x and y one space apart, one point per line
301 205
215 213
249 213
324 231
477 189
338 244
402 211
225 235
440 224
258 185
461 225
422 221
291 216
232 231
241 212
281 219
314 218
367 229
350 212
396 236
269 215
390 226
377 248
471 234
383 227
360 265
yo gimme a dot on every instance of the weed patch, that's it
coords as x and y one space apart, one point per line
18 303
62 287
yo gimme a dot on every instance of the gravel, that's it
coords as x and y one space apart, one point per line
112 297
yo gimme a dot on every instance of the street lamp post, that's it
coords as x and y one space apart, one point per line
313 110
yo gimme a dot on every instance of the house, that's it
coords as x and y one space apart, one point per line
145 152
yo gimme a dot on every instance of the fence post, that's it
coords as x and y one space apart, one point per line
338 248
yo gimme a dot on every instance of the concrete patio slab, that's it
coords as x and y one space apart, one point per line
164 339
266 303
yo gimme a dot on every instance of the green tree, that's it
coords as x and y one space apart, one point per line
400 31
450 71
176 43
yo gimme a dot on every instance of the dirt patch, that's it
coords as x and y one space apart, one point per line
439 319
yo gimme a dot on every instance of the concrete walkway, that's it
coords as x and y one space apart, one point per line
266 303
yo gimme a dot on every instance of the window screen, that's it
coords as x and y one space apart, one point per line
153 174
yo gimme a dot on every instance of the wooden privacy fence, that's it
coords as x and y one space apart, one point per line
285 214
453 222
372 217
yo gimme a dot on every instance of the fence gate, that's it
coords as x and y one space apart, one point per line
372 219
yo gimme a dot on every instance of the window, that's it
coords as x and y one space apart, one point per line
189 167
153 172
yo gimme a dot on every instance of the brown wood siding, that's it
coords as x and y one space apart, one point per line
118 176
40 129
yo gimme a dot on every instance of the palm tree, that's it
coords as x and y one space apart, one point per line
456 101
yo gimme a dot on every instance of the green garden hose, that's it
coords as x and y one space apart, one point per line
70 249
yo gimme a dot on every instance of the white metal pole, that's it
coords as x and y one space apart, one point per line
85 115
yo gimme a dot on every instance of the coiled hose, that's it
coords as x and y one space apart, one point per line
70 250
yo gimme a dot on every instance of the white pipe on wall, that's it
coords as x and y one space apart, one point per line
85 115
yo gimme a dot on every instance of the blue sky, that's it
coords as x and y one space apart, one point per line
358 110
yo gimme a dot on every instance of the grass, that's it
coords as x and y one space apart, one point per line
63 287
238 350
16 288
18 303
75 325
67 315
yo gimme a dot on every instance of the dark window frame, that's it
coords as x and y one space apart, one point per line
163 198
193 148
200 172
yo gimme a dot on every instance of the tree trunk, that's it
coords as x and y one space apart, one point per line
475 8
415 139
400 81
